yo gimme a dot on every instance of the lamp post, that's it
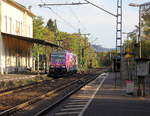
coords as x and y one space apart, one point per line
141 62
140 14
139 27
139 41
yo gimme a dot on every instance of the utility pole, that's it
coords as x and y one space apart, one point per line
119 38
82 50
118 22
55 33
118 17
119 27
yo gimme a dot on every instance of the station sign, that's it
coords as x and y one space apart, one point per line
142 67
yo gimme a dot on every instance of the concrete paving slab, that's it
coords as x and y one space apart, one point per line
110 101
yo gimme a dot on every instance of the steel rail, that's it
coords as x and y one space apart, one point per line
16 89
46 110
13 110
30 102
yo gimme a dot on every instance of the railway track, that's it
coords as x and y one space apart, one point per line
21 106
16 89
75 89
16 97
27 86
73 86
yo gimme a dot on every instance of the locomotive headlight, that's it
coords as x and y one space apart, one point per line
63 66
52 66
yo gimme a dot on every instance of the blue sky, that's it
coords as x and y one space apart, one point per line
88 18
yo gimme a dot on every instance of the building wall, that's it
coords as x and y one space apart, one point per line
15 21
15 54
18 55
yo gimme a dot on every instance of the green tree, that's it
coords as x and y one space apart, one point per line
72 42
48 35
38 27
51 25
146 23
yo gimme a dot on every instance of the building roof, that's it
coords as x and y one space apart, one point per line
31 40
19 6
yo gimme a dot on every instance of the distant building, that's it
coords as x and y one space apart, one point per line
15 23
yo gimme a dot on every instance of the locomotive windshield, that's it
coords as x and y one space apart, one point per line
58 58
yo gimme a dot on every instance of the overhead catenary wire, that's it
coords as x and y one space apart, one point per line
114 15
92 37
45 5
92 42
78 19
62 18
62 4
68 24
74 15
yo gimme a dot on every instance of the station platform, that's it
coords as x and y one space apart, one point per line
111 101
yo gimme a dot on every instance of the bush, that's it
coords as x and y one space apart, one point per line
18 83
10 84
2 84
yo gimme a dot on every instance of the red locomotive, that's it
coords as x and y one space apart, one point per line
62 62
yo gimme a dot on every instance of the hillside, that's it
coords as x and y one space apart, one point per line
99 48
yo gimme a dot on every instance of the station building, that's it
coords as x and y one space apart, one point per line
15 24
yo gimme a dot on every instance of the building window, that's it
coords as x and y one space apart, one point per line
5 23
21 28
10 25
29 31
17 27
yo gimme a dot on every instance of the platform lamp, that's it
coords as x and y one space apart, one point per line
141 62
139 41
139 27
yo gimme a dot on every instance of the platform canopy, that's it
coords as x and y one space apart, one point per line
32 40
